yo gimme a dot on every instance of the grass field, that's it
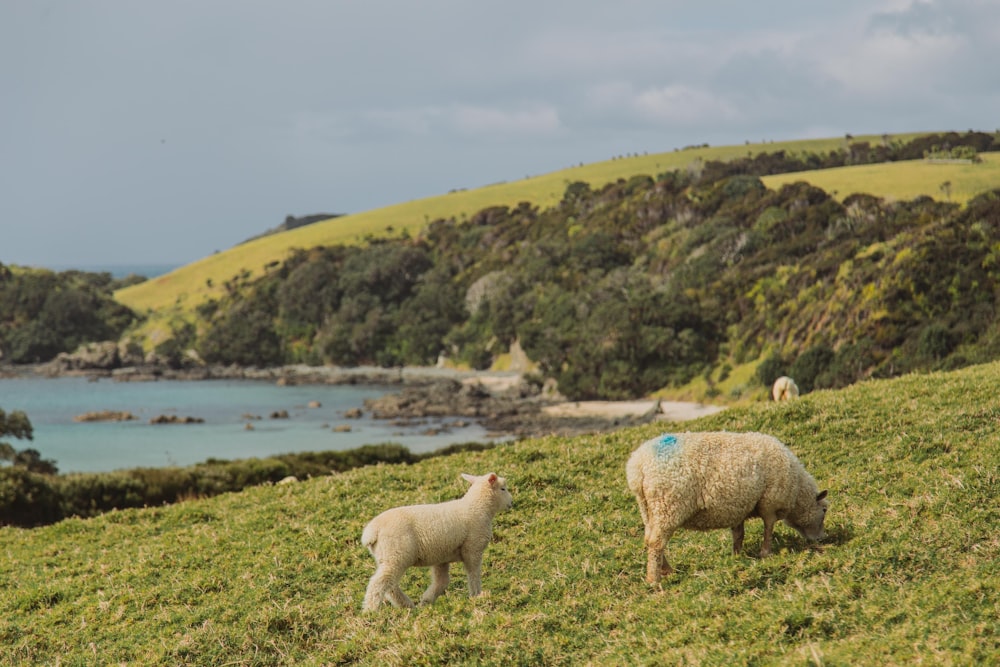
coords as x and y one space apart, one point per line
192 284
909 575
903 180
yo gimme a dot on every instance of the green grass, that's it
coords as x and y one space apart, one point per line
190 285
903 180
910 573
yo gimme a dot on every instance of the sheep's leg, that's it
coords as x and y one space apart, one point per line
738 533
765 548
439 582
473 563
656 560
384 585
643 512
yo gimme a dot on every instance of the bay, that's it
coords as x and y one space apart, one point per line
52 403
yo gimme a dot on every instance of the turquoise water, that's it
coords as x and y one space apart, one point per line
51 405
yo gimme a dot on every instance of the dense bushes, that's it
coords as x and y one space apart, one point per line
32 499
43 313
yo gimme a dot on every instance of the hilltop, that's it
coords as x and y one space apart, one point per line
909 574
706 284
190 285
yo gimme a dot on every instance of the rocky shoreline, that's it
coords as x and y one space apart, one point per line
505 403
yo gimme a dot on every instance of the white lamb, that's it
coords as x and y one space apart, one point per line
784 389
433 536
712 480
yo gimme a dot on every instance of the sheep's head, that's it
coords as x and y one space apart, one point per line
809 515
492 486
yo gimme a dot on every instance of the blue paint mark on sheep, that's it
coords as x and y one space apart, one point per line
665 445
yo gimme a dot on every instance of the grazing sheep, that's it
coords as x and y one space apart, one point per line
784 389
433 536
703 481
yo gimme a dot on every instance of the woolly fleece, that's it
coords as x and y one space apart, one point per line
433 536
710 480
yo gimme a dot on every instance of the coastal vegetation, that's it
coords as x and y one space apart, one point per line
645 284
43 313
275 575
33 494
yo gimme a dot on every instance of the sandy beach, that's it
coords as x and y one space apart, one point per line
665 410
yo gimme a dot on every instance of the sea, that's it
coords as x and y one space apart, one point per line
227 408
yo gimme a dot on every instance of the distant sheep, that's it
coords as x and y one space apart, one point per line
784 389
703 481
433 536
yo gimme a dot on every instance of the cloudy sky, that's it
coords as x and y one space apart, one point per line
136 132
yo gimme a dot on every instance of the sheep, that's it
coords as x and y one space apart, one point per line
711 480
433 536
784 389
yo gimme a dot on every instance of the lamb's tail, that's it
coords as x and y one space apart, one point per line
370 536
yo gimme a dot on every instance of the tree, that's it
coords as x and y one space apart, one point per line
18 425
946 189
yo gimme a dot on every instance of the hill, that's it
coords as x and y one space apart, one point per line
910 572
644 285
957 181
190 285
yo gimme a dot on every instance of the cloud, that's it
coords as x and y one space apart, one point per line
683 105
538 120
670 104
913 52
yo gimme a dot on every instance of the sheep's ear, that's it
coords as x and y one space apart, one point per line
468 478
492 478
821 496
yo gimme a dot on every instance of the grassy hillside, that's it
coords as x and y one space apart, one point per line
191 284
903 180
910 573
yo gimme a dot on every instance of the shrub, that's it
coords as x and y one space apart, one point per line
28 499
810 365
770 370
935 342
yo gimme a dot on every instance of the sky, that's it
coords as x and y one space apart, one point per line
137 132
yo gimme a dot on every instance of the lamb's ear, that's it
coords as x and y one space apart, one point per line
492 478
468 478
821 496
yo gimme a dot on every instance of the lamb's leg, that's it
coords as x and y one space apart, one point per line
473 563
738 532
399 598
384 585
375 594
439 582
765 548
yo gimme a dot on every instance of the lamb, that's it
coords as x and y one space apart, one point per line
710 480
784 389
433 536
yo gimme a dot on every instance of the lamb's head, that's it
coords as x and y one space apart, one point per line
492 488
808 516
